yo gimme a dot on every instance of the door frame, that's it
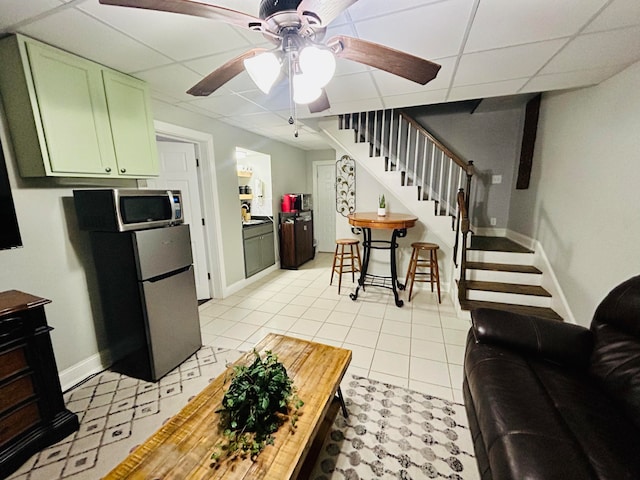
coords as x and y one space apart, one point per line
315 166
209 200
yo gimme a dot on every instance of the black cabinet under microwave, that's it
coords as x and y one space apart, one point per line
121 210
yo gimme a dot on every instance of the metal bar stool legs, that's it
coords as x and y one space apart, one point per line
432 276
346 262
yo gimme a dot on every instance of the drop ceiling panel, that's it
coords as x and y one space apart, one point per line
14 11
78 33
173 79
505 63
494 89
500 23
180 37
555 81
618 14
412 99
227 105
595 50
351 87
433 31
365 9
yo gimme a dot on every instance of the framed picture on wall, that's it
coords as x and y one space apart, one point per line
9 230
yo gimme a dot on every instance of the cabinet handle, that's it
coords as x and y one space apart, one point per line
123 170
108 169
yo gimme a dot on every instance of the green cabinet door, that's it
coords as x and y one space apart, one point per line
268 254
252 256
73 112
131 124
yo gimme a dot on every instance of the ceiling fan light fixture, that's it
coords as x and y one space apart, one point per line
305 89
318 63
264 70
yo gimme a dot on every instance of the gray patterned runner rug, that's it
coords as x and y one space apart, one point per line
395 433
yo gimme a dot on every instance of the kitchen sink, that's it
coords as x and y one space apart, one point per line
253 222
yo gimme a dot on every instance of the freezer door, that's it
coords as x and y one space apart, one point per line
172 323
162 250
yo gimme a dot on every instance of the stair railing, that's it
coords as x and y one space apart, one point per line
462 231
410 149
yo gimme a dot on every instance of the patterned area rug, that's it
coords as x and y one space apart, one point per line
117 413
395 433
391 432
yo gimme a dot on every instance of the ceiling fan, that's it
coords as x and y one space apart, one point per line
297 28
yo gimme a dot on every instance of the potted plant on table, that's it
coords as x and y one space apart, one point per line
260 398
382 206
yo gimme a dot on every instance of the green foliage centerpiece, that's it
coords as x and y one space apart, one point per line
258 401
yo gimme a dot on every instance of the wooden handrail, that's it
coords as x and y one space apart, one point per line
461 163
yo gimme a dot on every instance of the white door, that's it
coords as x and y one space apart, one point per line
325 205
178 171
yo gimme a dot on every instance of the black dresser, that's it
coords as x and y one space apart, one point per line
32 411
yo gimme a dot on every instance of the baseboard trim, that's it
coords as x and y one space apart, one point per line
229 290
79 372
490 231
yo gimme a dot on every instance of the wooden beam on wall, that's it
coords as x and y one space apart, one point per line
528 142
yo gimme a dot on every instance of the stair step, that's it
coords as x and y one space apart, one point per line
503 267
496 244
521 309
514 288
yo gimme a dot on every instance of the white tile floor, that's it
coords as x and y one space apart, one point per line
419 346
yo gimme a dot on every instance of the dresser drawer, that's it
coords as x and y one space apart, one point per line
15 391
19 421
12 362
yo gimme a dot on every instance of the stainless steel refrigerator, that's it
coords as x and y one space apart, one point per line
148 296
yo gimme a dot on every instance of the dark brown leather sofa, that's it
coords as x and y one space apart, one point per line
549 400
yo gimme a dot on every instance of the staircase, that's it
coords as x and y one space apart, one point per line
500 274
433 183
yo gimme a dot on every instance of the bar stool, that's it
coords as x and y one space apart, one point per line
342 259
432 276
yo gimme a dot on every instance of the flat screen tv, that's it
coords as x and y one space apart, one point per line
9 231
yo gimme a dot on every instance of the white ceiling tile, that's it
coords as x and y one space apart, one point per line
93 40
500 23
620 13
495 89
277 99
594 50
227 105
197 109
431 32
178 36
15 11
173 79
390 84
366 105
411 99
505 63
259 120
376 8
580 78
351 87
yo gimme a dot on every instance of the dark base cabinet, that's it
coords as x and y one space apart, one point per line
296 239
32 411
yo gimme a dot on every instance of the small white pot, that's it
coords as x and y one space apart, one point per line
382 212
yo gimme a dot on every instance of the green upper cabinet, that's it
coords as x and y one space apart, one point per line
70 117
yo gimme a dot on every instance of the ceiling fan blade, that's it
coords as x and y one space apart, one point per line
322 10
223 74
378 56
321 104
196 9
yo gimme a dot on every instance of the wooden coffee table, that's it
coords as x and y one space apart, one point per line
182 448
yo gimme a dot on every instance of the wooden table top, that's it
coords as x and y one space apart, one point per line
391 221
13 301
182 448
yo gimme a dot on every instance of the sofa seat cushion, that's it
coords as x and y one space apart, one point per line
542 421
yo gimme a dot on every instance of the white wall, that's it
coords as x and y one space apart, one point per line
492 140
582 203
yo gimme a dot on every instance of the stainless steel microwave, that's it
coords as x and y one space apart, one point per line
121 210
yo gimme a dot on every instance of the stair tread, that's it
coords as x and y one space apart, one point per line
507 288
496 244
542 312
503 267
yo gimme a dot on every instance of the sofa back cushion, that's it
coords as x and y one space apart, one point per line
615 361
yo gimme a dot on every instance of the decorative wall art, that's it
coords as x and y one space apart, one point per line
346 185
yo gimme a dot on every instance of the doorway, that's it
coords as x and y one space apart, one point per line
210 258
324 191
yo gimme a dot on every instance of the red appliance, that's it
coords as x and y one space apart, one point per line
288 204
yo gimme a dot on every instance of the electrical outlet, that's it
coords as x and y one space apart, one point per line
493 221
496 179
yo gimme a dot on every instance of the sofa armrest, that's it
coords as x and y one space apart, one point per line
555 341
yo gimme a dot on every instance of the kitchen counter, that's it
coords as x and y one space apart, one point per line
255 221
